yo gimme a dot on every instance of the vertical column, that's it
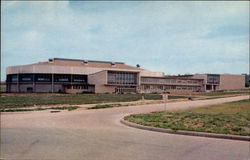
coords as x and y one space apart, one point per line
71 78
52 80
52 83
107 75
33 79
34 84
18 88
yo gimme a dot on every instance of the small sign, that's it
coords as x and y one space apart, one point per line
165 97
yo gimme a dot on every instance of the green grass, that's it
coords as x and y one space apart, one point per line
176 97
69 108
229 118
2 88
99 106
223 93
24 100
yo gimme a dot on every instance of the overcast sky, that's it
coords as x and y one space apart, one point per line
171 37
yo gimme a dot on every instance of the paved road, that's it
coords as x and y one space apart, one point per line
98 135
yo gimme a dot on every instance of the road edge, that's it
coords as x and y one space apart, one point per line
188 133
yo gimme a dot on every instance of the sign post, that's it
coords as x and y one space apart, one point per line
165 99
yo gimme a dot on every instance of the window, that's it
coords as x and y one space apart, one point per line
14 78
62 78
79 78
213 79
26 77
43 77
122 77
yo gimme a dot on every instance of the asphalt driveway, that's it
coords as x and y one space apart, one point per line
98 134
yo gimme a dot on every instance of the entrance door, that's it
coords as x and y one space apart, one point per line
208 87
29 90
214 88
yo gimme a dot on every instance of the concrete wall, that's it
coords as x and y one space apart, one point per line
98 78
50 68
100 81
74 91
58 88
23 87
104 89
147 73
12 88
228 81
200 76
43 88
40 88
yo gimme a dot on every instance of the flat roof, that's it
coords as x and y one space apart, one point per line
85 60
171 78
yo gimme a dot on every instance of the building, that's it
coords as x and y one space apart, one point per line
247 80
75 76
213 82
60 75
170 84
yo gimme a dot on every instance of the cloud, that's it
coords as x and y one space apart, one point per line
173 37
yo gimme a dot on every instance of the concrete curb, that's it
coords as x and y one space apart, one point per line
189 133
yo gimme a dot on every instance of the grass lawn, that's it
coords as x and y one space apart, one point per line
99 106
176 97
229 118
69 108
25 100
2 89
224 93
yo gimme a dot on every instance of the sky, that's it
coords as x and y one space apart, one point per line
171 37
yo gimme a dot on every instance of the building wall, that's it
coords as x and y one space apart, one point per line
36 68
39 88
98 78
104 89
170 84
90 89
247 80
200 76
147 73
228 82
43 88
12 88
23 87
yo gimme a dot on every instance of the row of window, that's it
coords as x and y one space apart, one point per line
163 87
213 79
46 78
122 78
168 81
77 87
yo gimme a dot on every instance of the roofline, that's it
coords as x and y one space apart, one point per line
106 70
172 78
85 60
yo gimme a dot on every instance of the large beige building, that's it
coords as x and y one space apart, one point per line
87 76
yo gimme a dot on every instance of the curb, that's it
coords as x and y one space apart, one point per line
188 133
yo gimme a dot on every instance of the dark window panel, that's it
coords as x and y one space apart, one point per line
79 78
62 78
122 78
12 78
25 77
43 77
